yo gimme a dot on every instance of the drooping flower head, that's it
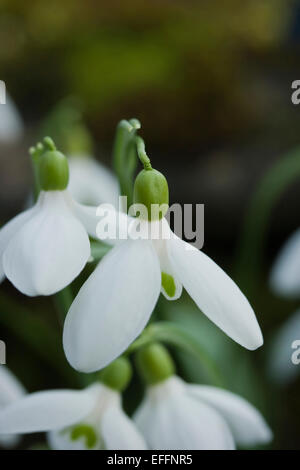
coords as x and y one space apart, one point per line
114 305
182 416
44 248
78 420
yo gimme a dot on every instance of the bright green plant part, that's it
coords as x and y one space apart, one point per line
179 337
154 363
117 375
51 167
150 187
87 432
125 156
168 284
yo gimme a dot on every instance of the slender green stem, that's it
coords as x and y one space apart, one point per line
141 151
125 156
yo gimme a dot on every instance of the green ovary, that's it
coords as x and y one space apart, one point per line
168 283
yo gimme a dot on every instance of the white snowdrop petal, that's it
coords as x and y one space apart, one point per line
9 230
113 306
284 353
104 222
119 432
45 411
175 421
285 275
92 183
11 126
10 388
215 293
246 423
174 290
49 250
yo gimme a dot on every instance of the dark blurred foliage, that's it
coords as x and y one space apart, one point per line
211 83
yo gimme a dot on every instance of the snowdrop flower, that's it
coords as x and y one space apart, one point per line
114 305
10 391
92 183
284 353
78 420
44 248
285 275
11 126
180 416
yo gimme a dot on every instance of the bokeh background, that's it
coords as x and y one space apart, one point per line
211 83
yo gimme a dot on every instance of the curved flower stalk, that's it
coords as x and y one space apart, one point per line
11 125
285 275
92 183
181 416
78 420
44 248
114 305
284 353
11 390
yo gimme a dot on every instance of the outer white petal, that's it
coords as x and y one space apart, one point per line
280 365
215 293
91 183
119 432
103 222
10 390
49 250
9 230
171 420
285 275
113 306
11 126
45 411
245 421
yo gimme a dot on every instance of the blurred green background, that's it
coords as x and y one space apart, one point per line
211 83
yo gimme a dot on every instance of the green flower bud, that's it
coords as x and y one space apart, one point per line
52 167
154 363
151 188
117 375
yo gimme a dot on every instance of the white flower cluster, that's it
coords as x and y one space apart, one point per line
44 249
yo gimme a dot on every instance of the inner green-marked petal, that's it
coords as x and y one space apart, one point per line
168 283
87 432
